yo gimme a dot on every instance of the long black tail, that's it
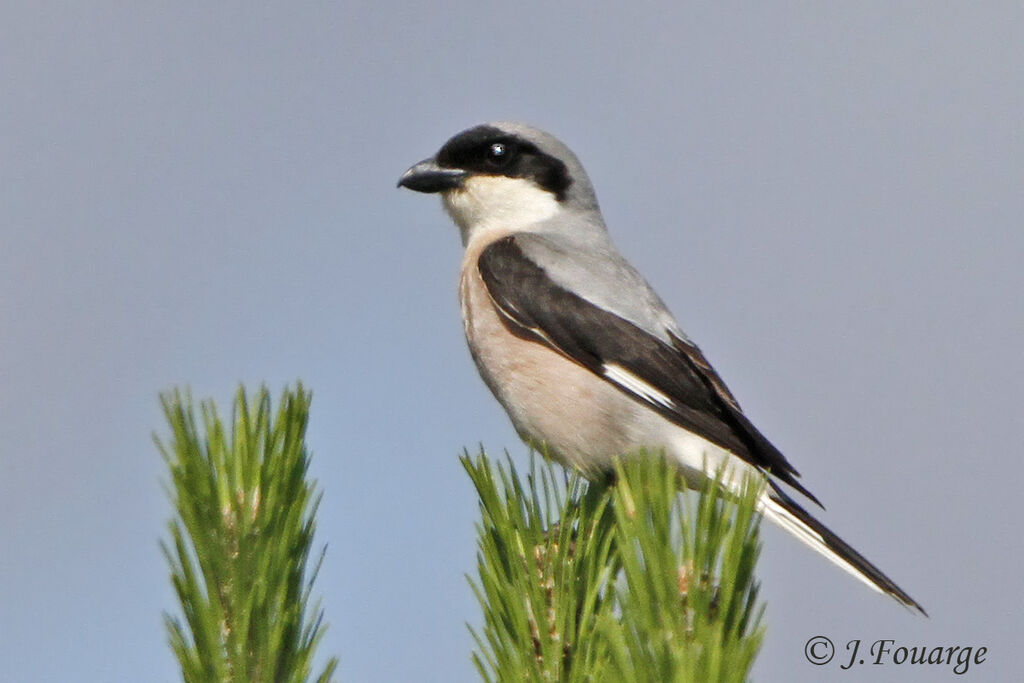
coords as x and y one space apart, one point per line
787 513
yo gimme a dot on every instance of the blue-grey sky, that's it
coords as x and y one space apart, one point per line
829 197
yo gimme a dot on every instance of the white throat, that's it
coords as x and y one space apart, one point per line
486 204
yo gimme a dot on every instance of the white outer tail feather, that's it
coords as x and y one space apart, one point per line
772 510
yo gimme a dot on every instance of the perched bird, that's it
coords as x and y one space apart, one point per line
578 348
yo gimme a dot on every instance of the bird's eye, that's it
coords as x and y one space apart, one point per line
498 154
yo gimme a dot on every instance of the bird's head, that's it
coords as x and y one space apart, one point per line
503 175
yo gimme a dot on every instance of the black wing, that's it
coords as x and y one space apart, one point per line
673 379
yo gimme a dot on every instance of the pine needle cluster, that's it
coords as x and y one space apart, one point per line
630 582
240 540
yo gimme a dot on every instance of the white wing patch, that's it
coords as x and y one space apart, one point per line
627 380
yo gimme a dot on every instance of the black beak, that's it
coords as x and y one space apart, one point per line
427 176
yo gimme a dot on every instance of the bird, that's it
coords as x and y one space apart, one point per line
579 349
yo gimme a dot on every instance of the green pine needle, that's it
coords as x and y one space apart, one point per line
240 539
633 582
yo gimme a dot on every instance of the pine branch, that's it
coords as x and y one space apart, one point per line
632 582
240 540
